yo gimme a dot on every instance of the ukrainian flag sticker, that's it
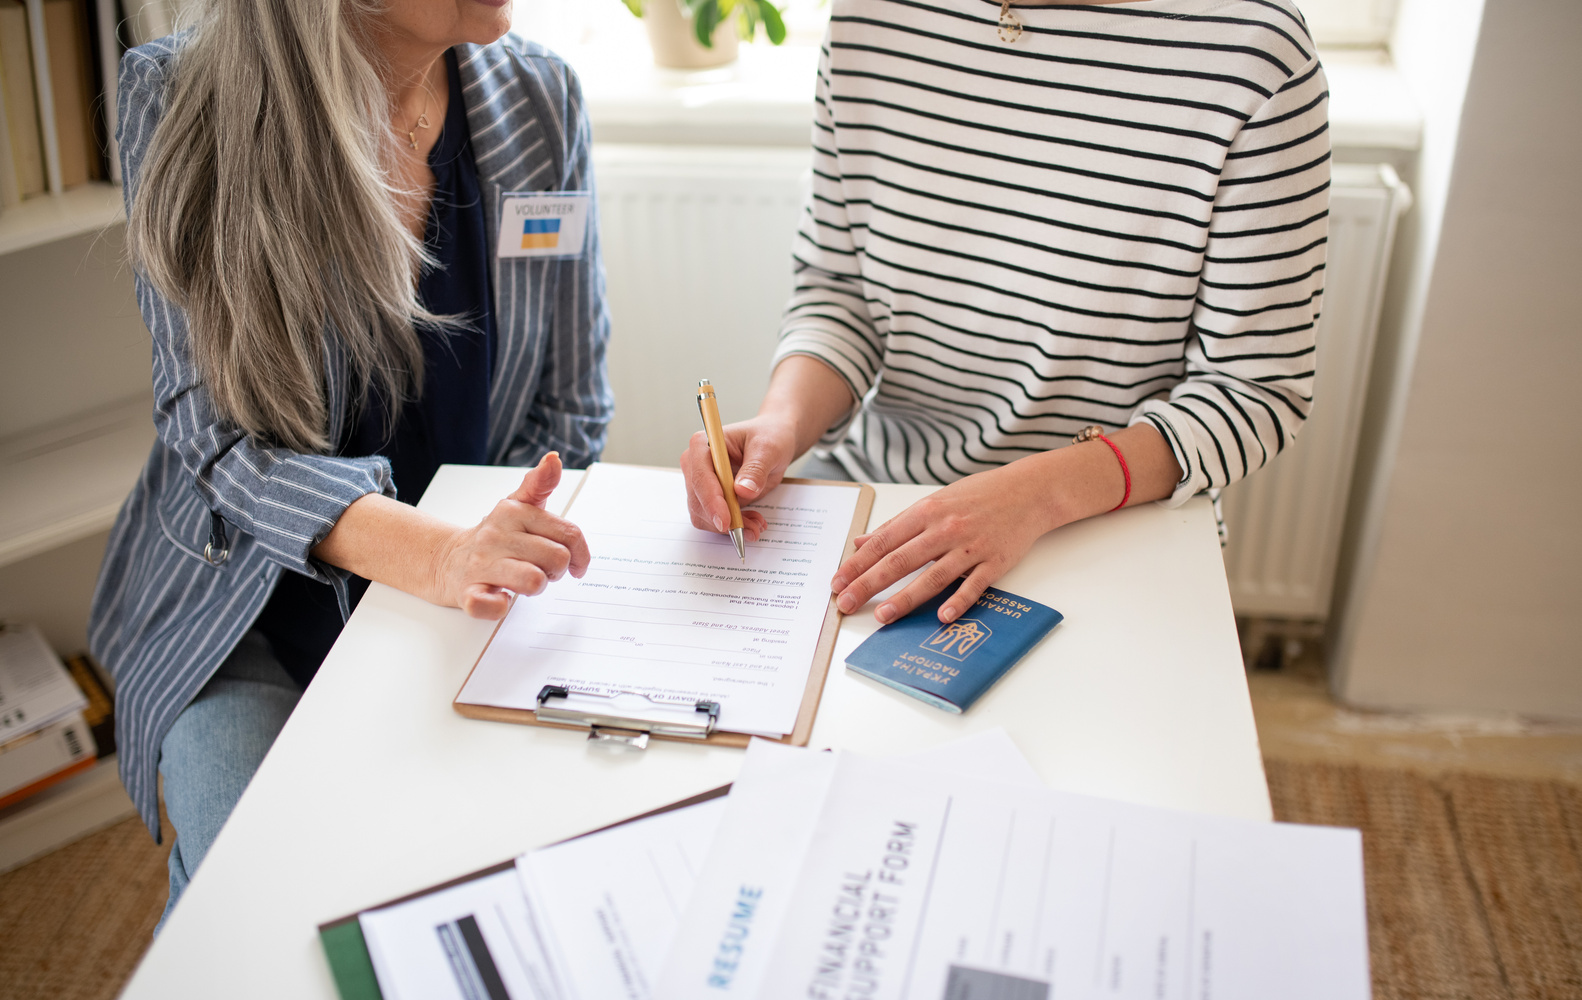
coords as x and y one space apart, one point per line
540 234
547 224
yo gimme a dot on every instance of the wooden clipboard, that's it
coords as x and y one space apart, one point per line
801 731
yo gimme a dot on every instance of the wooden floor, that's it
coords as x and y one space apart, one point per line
1472 831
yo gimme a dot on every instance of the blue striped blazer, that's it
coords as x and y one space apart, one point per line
164 616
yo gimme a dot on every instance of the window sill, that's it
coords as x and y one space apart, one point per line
765 98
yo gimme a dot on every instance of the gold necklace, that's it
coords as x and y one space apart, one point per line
422 119
1010 25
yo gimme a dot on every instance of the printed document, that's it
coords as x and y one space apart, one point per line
609 903
472 941
611 900
589 918
667 615
854 877
35 689
585 919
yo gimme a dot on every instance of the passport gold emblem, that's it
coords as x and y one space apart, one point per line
958 639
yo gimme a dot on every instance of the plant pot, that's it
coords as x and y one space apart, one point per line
676 47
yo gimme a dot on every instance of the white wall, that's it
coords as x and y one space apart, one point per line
71 338
1465 574
1432 48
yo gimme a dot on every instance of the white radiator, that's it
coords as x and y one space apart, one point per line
697 247
1285 521
696 243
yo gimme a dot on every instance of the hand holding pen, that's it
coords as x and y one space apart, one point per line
706 496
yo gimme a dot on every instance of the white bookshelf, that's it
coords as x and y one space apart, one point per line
69 481
48 217
82 804
63 482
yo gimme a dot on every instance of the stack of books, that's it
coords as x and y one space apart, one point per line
55 133
52 719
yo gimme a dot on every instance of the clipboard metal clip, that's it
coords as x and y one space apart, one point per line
678 720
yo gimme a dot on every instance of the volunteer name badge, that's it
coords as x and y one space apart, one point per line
551 224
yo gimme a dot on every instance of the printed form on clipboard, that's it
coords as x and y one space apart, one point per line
668 633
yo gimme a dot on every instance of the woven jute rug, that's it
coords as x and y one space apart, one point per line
1474 889
74 924
1474 883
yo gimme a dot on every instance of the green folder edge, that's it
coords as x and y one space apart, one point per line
347 951
350 965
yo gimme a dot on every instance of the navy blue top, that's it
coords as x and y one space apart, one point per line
449 422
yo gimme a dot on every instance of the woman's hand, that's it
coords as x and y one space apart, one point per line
978 527
981 526
804 397
519 548
760 450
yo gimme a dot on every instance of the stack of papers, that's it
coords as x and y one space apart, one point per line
35 689
949 874
43 736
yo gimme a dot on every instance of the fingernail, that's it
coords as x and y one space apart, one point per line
948 613
884 614
839 583
719 524
746 485
847 604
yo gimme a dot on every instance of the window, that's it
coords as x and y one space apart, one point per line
565 24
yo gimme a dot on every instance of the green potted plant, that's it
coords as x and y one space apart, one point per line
690 34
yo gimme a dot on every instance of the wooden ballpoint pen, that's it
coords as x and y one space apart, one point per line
722 461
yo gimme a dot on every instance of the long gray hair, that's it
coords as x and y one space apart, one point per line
265 210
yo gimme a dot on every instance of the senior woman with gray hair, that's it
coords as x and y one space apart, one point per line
315 192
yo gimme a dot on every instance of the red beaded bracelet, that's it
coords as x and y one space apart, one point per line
1095 431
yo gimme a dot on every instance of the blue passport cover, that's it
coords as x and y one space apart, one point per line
950 666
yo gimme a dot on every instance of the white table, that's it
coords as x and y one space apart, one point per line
377 788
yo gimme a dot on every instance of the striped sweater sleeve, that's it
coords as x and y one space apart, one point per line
827 317
288 501
1251 348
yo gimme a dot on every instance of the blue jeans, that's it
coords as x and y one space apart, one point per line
214 748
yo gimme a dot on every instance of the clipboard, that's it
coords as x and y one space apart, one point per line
693 722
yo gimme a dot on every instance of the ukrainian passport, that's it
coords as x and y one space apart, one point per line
951 666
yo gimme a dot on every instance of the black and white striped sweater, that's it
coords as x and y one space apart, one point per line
1121 216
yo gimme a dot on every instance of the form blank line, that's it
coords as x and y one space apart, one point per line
1191 917
1104 912
1043 887
928 891
692 576
657 659
670 645
723 541
689 611
999 892
639 621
